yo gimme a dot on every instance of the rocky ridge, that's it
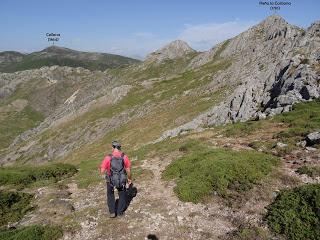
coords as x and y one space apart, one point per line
276 65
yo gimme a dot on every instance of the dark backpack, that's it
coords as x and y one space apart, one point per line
118 175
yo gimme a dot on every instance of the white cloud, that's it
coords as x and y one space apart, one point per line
137 45
204 36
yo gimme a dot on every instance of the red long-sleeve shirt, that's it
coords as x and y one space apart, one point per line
105 165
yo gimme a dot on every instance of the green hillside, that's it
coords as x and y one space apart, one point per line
64 57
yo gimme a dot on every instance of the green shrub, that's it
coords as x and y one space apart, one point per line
204 171
311 171
25 175
35 232
296 212
13 206
304 118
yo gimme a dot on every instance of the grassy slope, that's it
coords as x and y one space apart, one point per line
172 108
138 132
15 123
194 152
173 84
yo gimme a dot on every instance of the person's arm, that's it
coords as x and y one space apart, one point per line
128 170
127 165
104 167
103 172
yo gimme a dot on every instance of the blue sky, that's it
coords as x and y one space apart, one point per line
136 27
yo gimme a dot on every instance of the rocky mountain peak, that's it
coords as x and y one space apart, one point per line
178 45
275 26
274 19
175 49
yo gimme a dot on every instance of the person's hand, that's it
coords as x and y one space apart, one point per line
129 181
103 176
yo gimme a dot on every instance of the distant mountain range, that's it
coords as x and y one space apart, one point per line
11 61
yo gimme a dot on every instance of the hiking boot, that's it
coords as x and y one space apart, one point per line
112 215
121 215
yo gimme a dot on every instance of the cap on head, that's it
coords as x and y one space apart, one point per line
116 144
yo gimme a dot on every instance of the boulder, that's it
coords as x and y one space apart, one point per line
313 138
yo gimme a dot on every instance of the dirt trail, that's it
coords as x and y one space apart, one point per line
157 211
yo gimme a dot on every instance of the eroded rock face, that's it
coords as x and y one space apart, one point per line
275 66
173 50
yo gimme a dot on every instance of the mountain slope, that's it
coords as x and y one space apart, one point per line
169 112
261 72
62 57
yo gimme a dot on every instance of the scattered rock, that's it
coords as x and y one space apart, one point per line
302 143
261 116
311 149
281 145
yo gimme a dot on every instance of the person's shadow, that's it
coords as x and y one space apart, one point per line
152 237
131 193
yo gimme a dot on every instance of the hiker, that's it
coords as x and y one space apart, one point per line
115 168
